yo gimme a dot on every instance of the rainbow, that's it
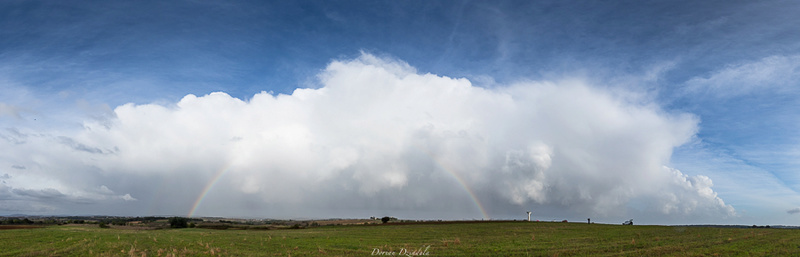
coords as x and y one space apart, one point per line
435 160
208 187
462 183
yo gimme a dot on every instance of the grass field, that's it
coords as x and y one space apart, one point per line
445 239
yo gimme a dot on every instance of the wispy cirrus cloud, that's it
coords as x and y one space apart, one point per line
770 75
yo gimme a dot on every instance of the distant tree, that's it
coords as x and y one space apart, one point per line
386 219
178 222
103 225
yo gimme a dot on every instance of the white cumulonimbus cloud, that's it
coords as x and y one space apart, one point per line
378 135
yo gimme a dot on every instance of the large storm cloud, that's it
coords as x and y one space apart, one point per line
374 136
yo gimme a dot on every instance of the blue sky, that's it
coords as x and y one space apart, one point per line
381 103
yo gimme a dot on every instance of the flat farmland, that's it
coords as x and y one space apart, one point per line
401 239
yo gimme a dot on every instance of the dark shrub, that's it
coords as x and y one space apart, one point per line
178 222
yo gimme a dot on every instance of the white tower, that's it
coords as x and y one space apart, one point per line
529 216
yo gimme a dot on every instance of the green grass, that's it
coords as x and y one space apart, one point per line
450 239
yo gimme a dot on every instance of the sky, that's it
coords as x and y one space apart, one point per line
666 112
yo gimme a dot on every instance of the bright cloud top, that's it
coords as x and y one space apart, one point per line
378 135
